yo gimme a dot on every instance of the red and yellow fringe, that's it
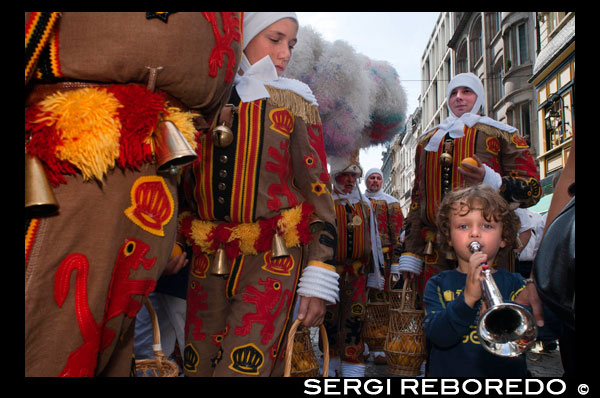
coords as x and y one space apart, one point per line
247 238
92 129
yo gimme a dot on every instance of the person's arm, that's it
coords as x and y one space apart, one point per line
318 284
446 323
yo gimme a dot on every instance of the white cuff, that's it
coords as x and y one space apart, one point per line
319 282
373 283
410 263
491 178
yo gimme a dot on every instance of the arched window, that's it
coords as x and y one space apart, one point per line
476 42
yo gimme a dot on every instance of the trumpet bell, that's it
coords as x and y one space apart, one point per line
507 330
220 265
39 198
171 148
278 247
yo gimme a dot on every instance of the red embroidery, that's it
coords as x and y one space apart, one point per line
282 121
231 31
284 170
519 141
96 337
267 308
131 255
316 141
196 302
280 266
151 204
492 144
81 362
200 265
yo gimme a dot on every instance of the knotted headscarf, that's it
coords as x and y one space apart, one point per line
251 85
455 126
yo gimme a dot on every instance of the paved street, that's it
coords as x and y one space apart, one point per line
539 364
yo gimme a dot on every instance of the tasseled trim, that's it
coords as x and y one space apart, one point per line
247 238
493 131
91 129
295 104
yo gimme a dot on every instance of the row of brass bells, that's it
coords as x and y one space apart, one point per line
220 264
39 198
171 149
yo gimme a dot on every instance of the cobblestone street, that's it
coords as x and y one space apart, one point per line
539 363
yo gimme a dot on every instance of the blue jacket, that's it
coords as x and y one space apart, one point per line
451 328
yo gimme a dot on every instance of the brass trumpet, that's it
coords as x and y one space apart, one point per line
505 329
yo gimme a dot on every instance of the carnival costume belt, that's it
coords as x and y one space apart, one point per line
91 127
247 238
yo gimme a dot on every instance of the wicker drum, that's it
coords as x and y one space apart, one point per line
159 366
405 342
300 358
375 325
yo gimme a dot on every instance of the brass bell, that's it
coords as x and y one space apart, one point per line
220 265
278 247
222 136
39 198
429 248
171 148
445 159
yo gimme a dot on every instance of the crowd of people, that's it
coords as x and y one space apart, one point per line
263 227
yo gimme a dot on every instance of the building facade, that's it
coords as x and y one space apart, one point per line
526 61
553 79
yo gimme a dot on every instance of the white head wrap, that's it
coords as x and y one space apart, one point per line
251 85
453 125
379 194
256 22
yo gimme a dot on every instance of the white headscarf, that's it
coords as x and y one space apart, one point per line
379 194
455 126
251 85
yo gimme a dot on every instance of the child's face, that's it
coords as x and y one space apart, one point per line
470 227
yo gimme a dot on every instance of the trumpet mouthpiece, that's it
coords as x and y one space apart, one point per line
474 247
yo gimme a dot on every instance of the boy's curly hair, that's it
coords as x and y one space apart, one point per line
478 197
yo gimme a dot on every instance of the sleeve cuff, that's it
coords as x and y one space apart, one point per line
491 178
319 282
410 262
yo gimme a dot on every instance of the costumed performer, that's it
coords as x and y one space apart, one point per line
263 182
100 90
503 161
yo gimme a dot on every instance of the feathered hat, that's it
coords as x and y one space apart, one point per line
361 101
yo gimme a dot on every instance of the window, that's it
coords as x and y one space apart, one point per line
475 42
461 58
515 46
521 47
519 117
497 86
493 23
558 120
